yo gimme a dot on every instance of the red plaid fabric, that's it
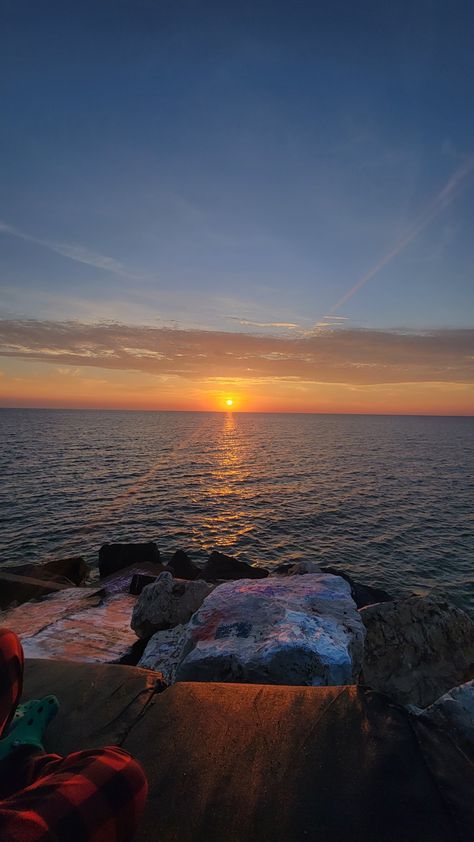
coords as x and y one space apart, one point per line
88 796
11 676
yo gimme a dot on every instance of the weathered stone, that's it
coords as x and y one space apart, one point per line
298 568
78 624
140 581
26 622
220 566
301 630
164 651
167 603
48 574
361 594
74 569
120 582
417 648
454 712
247 763
113 557
182 567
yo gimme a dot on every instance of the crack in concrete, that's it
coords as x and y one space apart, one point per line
154 691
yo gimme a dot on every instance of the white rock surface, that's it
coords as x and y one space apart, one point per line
417 648
77 624
297 630
166 603
454 712
164 651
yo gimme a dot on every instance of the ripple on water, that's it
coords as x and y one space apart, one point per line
388 498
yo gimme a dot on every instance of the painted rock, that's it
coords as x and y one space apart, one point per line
297 630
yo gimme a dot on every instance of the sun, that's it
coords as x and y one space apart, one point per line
229 402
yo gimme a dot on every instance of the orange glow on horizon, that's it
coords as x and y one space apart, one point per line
47 385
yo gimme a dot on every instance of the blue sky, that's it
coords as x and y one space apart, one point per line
237 166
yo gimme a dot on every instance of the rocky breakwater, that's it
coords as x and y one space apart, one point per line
298 630
417 648
300 625
230 621
305 630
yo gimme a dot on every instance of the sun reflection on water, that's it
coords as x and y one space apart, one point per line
228 520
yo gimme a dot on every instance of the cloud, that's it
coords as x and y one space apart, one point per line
350 356
270 325
75 252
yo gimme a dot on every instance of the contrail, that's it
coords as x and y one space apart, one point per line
444 198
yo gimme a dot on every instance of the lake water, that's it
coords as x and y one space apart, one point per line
389 499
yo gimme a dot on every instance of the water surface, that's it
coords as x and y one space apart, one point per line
386 498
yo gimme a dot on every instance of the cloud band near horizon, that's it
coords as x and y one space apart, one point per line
347 356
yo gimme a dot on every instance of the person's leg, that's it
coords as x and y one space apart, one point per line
21 726
88 796
11 676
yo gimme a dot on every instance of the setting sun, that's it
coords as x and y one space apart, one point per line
229 401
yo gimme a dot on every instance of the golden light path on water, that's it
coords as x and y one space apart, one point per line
227 518
384 497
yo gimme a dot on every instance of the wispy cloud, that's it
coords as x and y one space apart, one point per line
265 325
351 356
75 252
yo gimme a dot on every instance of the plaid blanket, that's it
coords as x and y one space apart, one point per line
88 796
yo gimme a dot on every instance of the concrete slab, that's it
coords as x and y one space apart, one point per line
243 763
28 619
98 704
79 624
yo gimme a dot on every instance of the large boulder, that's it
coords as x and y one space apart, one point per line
24 582
454 713
73 569
220 566
298 630
361 594
417 648
182 567
166 603
140 581
76 624
113 557
164 651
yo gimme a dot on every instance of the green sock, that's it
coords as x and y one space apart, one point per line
29 724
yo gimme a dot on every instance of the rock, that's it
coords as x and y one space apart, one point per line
164 651
298 630
220 566
77 624
74 569
140 581
361 594
121 581
167 603
113 557
298 568
35 579
417 648
182 567
454 713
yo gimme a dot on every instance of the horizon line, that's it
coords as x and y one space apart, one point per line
239 412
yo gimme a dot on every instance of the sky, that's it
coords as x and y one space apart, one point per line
264 202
